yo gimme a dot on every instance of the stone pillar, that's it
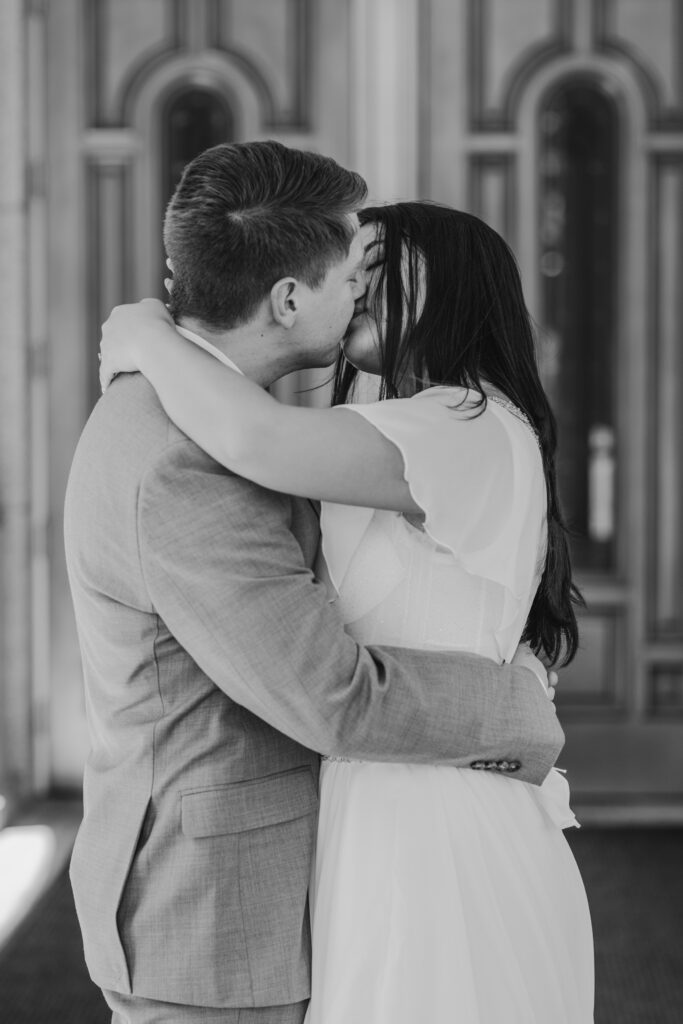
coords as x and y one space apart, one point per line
385 47
15 614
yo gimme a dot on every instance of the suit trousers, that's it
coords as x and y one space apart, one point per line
135 1010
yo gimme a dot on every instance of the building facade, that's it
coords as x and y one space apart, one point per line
558 121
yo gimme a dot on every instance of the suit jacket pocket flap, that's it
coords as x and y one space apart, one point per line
254 803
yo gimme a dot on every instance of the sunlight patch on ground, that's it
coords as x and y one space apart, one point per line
26 859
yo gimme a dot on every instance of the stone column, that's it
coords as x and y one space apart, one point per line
385 45
15 618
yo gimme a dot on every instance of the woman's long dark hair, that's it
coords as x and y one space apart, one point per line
448 291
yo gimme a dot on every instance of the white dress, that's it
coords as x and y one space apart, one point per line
444 895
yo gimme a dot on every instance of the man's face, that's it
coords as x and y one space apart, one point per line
326 311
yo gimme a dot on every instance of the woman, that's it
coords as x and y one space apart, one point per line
439 895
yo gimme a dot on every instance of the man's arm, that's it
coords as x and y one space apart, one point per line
228 578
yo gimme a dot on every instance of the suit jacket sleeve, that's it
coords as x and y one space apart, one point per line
228 578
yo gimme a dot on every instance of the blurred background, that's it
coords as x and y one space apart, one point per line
560 122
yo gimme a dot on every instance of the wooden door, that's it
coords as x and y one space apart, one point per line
562 125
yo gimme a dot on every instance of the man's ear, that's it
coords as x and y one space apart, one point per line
284 301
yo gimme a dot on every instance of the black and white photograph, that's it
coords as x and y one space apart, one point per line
341 512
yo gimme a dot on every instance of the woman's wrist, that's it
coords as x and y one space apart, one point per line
148 349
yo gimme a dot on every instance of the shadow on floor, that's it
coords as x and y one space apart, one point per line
634 879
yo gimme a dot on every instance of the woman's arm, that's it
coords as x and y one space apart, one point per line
327 454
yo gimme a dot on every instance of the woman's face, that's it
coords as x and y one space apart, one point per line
361 345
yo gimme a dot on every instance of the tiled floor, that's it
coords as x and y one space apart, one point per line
634 880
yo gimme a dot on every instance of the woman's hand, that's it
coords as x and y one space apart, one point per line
525 658
123 336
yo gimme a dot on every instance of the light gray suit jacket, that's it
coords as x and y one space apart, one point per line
214 668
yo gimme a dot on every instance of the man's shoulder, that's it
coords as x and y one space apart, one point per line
130 408
130 446
129 432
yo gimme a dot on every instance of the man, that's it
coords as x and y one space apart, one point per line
215 669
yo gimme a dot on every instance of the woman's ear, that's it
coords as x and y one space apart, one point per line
284 301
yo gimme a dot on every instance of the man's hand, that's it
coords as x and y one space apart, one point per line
526 658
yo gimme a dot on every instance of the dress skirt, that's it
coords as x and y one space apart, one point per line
444 896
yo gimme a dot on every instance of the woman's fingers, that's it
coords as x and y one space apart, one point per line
121 336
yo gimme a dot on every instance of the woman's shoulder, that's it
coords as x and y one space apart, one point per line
451 396
451 428
487 422
437 422
470 400
430 403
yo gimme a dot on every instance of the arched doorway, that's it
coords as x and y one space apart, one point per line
578 231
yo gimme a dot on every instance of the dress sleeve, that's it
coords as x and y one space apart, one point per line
478 477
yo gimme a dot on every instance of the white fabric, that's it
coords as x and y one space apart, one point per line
208 347
479 479
445 895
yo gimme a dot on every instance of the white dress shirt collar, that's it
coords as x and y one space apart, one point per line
208 347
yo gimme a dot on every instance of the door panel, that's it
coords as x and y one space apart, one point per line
551 130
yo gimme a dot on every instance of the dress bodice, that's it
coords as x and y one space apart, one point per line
464 580
424 598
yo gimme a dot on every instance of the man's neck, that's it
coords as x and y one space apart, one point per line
249 347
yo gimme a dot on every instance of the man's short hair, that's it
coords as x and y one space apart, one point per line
245 215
